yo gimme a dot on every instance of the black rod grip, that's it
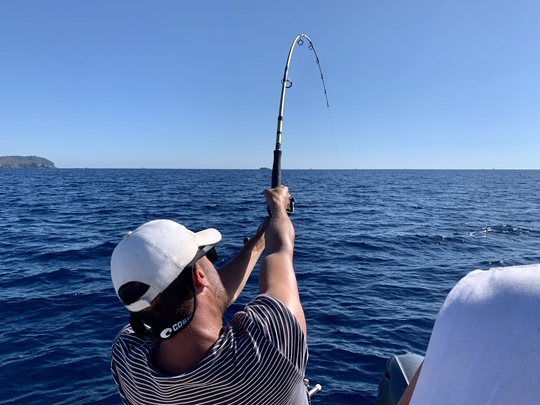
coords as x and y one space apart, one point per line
276 169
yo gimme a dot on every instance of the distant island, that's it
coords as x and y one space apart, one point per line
25 162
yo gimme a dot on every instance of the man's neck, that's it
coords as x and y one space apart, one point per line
185 350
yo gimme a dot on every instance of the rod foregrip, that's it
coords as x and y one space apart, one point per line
276 169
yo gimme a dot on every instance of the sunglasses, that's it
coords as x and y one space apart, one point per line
209 251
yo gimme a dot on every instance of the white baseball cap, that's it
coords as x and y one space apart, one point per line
155 254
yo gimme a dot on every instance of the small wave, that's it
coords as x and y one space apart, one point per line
92 252
500 229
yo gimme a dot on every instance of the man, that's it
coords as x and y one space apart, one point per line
485 344
176 350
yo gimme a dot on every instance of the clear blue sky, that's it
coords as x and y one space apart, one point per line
186 84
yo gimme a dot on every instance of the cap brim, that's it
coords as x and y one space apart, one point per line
207 237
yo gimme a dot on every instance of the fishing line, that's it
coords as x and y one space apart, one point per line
334 137
286 83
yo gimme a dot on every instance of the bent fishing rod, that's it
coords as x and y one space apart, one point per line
286 84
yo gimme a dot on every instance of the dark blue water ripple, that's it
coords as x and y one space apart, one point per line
376 253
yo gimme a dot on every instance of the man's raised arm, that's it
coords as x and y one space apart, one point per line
276 274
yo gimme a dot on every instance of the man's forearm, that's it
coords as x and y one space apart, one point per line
280 235
235 273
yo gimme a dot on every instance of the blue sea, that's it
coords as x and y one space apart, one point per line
376 253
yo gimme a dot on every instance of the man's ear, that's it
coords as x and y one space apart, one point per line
199 276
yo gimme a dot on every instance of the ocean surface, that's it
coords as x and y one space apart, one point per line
376 253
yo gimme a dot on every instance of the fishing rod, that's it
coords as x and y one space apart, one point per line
286 84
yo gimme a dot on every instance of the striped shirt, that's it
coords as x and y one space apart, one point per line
260 358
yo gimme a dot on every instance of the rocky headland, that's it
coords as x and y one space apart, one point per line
25 162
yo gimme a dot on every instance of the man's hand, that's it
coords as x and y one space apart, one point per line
277 199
